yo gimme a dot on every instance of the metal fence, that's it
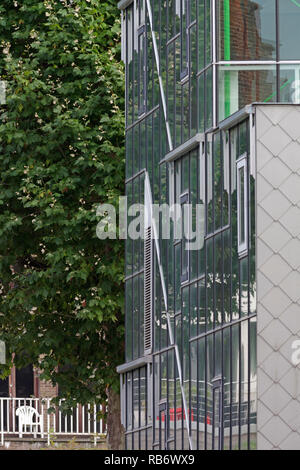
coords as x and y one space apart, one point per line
48 421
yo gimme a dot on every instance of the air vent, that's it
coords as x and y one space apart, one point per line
148 262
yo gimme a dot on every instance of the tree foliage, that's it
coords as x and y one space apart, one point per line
61 146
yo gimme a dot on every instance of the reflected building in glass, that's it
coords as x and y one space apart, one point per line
212 305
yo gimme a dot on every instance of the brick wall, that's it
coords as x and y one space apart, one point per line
47 390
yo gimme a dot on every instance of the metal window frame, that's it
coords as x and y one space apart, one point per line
185 270
242 164
142 67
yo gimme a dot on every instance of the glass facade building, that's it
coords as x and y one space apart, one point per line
190 376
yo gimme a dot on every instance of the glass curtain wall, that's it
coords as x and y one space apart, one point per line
189 65
258 54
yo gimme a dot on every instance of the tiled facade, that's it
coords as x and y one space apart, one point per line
278 275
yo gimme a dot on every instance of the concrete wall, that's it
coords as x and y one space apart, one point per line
278 275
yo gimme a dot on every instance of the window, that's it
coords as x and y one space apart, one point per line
242 204
184 40
24 382
142 67
289 33
184 199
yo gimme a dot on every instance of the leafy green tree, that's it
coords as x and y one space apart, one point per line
61 146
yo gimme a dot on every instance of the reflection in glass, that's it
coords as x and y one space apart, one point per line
253 382
235 387
247 30
289 83
244 404
201 394
193 406
136 399
289 31
226 388
209 390
143 396
242 85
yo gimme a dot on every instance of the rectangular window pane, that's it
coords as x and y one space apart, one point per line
247 31
242 85
242 204
289 32
289 83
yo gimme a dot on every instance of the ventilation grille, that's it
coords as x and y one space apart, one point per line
148 292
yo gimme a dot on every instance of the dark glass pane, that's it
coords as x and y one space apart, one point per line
129 41
227 275
193 310
193 65
129 308
210 283
209 98
289 32
247 30
209 188
235 405
193 393
244 405
202 307
242 85
202 416
218 179
136 399
24 382
4 388
129 154
289 83
208 50
201 29
253 382
226 389
218 265
201 102
244 286
209 391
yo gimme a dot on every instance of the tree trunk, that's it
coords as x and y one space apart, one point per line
115 430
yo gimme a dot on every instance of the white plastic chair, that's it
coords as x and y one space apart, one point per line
26 416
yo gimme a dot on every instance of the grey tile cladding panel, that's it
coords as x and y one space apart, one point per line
278 275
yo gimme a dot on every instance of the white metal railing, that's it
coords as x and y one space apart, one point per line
80 421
